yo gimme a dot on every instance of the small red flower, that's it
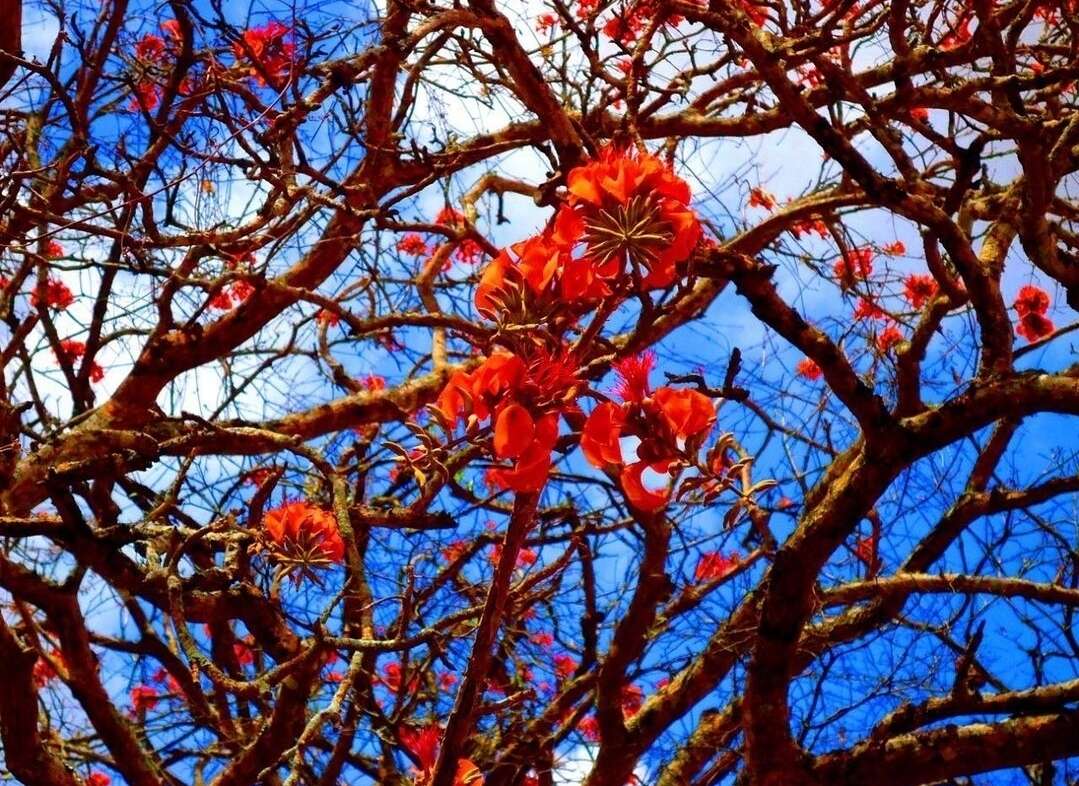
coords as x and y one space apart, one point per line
221 300
143 698
564 665
713 566
808 369
888 338
450 217
542 639
807 226
150 48
854 266
468 251
327 318
413 245
869 309
546 23
53 250
171 28
894 249
1034 326
1031 300
98 778
920 113
57 295
758 197
919 289
268 51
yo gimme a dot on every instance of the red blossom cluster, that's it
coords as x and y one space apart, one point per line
45 671
853 266
71 350
807 368
151 53
919 289
269 52
300 530
1032 304
423 744
713 565
523 396
664 421
143 699
55 295
623 207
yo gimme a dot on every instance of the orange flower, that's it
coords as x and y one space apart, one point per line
758 197
868 309
301 525
601 434
641 497
686 412
634 207
413 245
268 51
98 778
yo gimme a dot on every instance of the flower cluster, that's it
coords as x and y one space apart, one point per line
523 396
424 744
302 532
627 219
71 350
665 421
268 52
55 295
1032 304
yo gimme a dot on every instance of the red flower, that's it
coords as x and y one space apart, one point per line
221 300
713 566
241 291
920 113
374 383
853 266
44 672
413 245
889 337
542 639
1031 300
632 699
270 54
147 96
523 400
758 197
524 556
589 728
469 251
807 226
564 665
894 249
1034 326
424 744
868 309
327 318
98 778
455 551
450 217
808 368
71 350
546 23
301 526
143 698
150 48
53 250
632 371
687 412
632 206
660 421
919 289
57 295
171 27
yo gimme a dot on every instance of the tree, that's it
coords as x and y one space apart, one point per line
438 392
